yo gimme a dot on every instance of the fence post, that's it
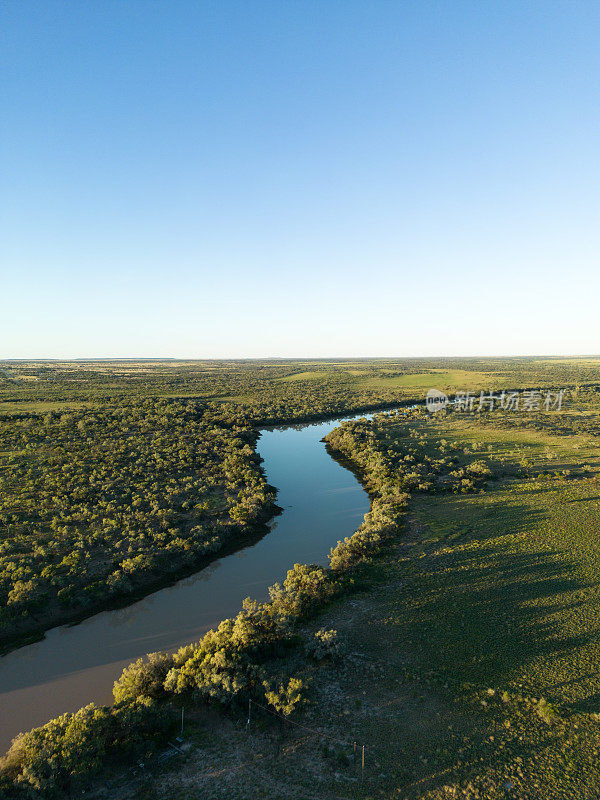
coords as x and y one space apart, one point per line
249 713
362 768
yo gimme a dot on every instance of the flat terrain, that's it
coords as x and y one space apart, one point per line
446 380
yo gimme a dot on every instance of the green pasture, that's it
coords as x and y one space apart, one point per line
509 446
309 375
446 380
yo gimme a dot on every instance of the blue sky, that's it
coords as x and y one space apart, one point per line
218 179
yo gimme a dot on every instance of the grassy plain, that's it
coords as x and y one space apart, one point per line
445 380
304 376
384 379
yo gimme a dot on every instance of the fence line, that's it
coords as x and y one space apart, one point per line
304 727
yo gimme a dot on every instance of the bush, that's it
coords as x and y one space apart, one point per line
285 699
479 469
324 645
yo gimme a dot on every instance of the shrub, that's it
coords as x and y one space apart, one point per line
324 645
285 699
545 711
479 469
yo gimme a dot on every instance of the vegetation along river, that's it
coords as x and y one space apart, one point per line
72 666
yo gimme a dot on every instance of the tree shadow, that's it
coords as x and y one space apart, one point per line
587 705
583 499
480 609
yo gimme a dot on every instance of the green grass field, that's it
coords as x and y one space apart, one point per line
304 376
43 406
500 591
446 380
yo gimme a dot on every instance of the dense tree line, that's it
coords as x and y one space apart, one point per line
96 504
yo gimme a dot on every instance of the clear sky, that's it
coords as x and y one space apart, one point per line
299 178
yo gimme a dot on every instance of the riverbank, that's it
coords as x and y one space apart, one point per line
145 584
102 506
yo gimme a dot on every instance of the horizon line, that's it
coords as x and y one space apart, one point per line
176 359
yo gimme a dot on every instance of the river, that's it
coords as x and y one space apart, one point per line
75 665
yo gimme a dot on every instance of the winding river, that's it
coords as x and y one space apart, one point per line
73 666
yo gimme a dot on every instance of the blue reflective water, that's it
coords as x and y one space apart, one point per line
72 666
